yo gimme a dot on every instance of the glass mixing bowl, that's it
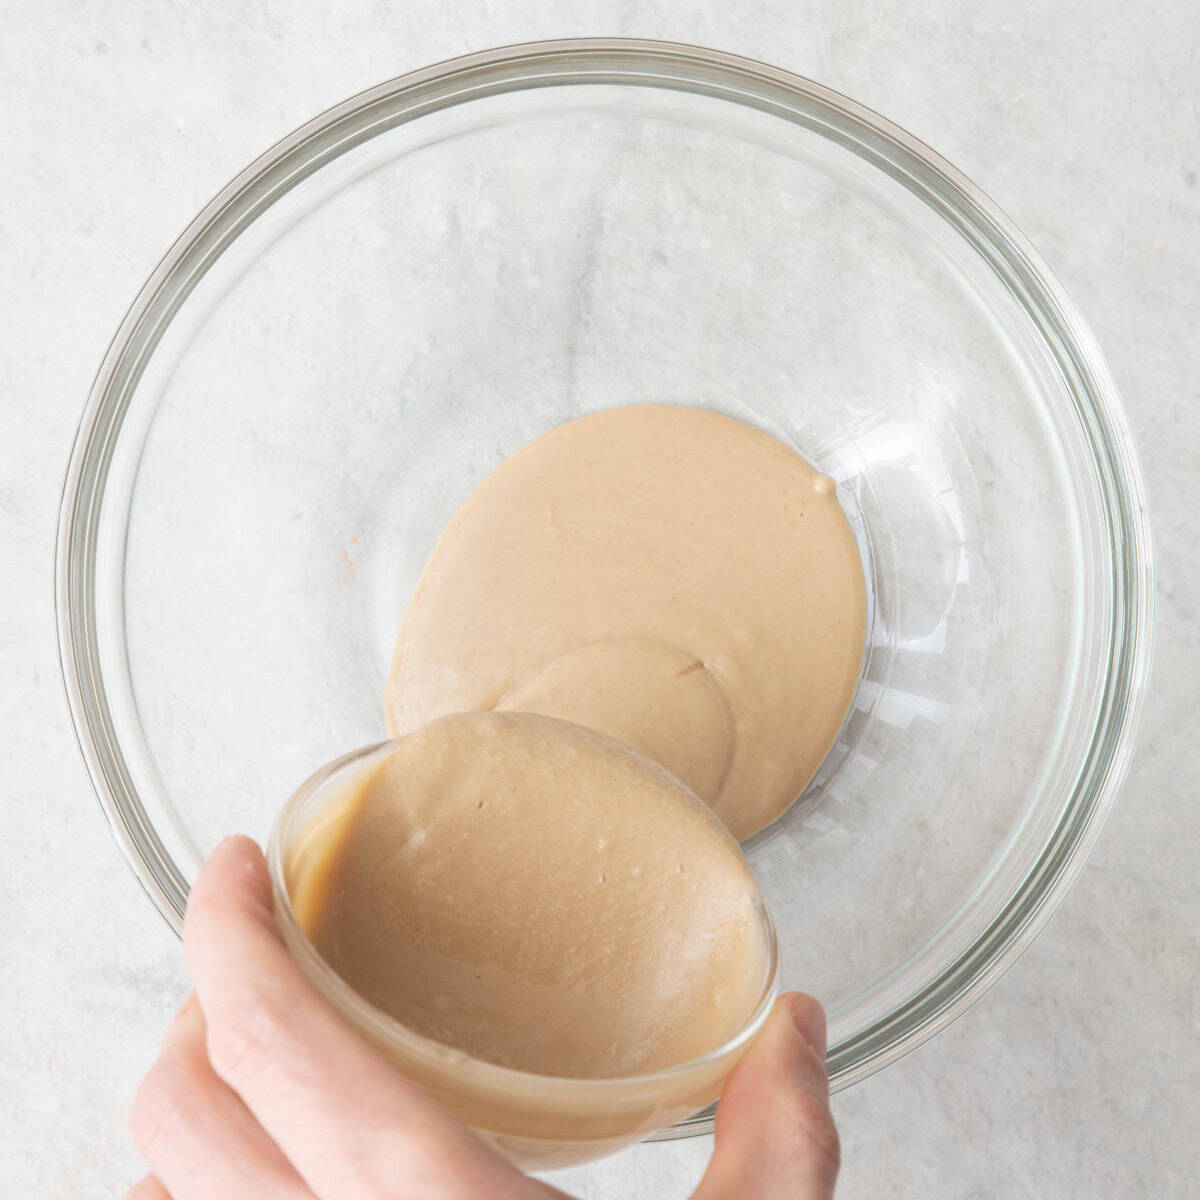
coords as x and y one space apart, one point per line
371 316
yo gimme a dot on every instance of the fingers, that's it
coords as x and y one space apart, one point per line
353 1127
775 1137
196 1135
147 1188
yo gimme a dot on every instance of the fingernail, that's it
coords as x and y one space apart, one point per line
809 1018
239 840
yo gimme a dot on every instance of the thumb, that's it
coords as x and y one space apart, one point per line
775 1136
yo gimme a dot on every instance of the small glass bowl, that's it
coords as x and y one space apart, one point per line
538 1121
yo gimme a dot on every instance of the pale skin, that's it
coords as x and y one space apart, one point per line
261 1090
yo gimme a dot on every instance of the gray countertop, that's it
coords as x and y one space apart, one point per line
1079 1075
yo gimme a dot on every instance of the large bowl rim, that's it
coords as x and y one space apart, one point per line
739 80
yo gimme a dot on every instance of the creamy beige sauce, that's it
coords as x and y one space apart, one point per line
536 895
669 576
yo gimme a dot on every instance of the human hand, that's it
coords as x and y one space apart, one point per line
262 1091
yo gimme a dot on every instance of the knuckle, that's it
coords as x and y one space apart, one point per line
828 1146
812 1123
164 1107
248 1038
825 1147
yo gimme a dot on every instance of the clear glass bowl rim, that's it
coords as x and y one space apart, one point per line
689 69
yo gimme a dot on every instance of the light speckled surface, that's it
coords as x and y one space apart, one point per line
1080 1074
